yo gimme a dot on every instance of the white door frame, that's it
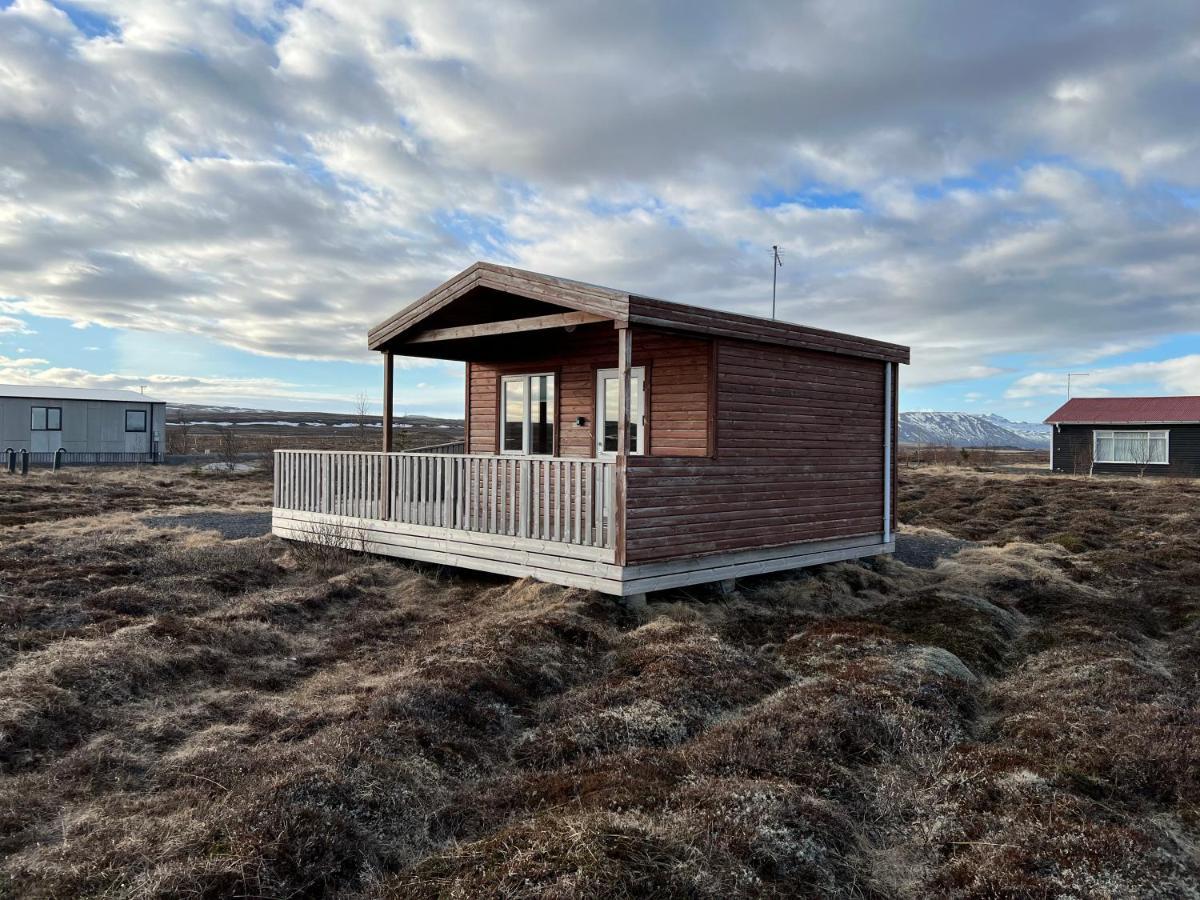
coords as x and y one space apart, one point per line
638 387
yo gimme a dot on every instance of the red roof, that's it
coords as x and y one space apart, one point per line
1127 411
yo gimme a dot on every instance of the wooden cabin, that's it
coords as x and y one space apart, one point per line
616 442
1126 436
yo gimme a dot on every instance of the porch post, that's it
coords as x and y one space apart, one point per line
385 480
387 401
624 390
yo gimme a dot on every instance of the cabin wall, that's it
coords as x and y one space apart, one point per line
1073 451
678 388
799 457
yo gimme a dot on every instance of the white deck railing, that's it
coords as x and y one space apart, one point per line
545 498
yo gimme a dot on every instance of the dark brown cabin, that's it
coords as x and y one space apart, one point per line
618 442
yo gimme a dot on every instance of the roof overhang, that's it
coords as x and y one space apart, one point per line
1111 422
64 392
567 303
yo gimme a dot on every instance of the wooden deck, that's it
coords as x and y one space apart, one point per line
547 518
550 518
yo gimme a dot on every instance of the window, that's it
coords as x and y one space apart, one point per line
527 408
1134 447
46 418
135 420
608 386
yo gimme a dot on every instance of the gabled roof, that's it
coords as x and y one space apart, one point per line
623 307
59 392
1127 411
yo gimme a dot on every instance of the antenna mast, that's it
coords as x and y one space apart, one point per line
1071 375
776 264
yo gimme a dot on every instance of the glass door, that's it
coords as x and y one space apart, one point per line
607 398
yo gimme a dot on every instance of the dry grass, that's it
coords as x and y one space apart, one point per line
185 715
45 495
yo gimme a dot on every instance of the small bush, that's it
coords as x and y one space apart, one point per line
1072 542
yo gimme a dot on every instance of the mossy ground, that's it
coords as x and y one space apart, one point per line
186 715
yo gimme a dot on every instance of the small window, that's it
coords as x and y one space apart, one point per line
135 420
46 418
1137 448
527 410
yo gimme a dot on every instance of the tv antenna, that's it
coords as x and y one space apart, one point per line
776 264
1071 375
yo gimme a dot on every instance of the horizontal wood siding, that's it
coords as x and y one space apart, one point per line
1073 450
799 457
677 389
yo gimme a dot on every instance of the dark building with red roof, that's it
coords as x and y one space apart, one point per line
1127 436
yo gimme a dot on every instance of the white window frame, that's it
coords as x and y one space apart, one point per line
1112 435
526 424
638 372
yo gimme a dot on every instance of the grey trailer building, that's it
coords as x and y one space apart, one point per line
90 425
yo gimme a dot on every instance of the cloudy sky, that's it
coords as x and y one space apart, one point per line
217 199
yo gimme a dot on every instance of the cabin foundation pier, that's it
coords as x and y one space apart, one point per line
635 602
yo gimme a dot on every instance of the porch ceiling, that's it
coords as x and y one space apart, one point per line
501 347
487 295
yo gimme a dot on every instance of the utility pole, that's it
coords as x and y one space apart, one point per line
776 264
1071 375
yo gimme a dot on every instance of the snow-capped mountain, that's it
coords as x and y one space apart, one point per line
1035 431
960 429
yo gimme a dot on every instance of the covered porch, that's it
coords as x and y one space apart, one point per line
521 501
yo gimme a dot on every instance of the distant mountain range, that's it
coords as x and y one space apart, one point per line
943 429
320 430
194 415
960 429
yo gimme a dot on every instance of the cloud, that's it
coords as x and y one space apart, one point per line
11 325
30 370
1179 375
280 177
221 390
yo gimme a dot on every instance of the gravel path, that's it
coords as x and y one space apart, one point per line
232 525
922 551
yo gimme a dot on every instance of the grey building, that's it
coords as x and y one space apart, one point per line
91 425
